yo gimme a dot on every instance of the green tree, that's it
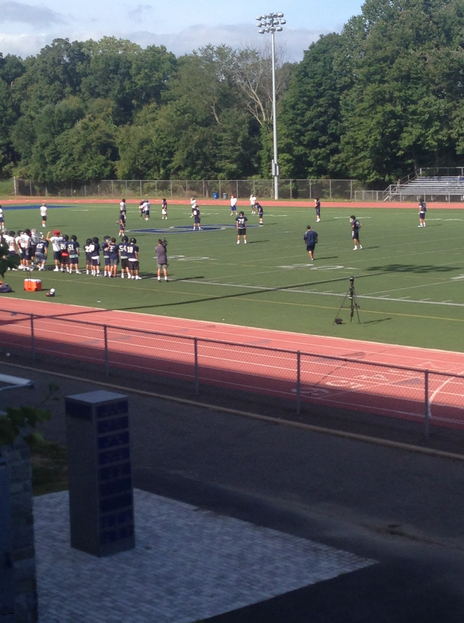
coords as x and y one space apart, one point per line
310 117
404 63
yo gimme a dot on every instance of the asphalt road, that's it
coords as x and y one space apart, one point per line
401 508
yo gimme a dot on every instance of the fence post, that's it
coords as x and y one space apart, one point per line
195 348
426 405
298 382
107 358
32 337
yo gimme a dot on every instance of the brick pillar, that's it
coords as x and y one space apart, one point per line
18 463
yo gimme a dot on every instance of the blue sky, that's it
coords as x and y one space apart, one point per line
180 25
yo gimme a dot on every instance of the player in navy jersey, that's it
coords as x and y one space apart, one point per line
73 250
88 248
64 254
355 227
125 268
113 250
422 211
240 224
122 224
196 218
41 252
259 207
311 239
133 257
95 257
106 256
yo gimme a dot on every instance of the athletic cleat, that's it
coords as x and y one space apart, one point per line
137 277
159 278
355 248
56 270
238 241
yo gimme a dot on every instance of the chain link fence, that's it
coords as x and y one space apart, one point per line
430 398
344 190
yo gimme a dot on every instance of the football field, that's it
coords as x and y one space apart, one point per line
409 281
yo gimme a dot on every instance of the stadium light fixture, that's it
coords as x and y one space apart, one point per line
273 22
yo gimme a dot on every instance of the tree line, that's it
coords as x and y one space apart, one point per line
383 97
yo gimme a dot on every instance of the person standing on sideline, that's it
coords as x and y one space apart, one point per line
317 205
253 203
133 258
311 239
2 220
422 211
122 207
240 224
164 210
73 250
43 214
193 204
55 240
162 259
355 227
233 205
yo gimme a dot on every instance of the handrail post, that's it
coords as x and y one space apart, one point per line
298 382
32 338
426 405
107 357
195 349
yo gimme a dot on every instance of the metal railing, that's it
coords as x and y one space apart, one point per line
428 397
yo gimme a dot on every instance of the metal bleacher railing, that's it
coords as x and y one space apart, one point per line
445 184
422 396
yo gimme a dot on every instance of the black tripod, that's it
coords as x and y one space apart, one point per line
351 296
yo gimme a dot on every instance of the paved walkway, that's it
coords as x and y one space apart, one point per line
188 564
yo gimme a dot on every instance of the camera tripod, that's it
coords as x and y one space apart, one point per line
354 307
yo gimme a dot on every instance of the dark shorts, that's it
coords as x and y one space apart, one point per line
310 247
107 261
95 261
57 255
318 211
114 261
422 215
44 219
355 234
124 262
40 257
133 265
73 259
241 231
26 254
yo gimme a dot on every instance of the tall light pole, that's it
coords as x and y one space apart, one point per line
273 22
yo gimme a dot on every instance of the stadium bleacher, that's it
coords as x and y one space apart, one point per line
432 188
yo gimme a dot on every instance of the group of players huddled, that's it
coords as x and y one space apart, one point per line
33 251
32 246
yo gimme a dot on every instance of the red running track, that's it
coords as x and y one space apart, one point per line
351 374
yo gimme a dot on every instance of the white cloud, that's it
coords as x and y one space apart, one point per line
19 12
291 42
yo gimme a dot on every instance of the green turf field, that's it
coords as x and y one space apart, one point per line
409 281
